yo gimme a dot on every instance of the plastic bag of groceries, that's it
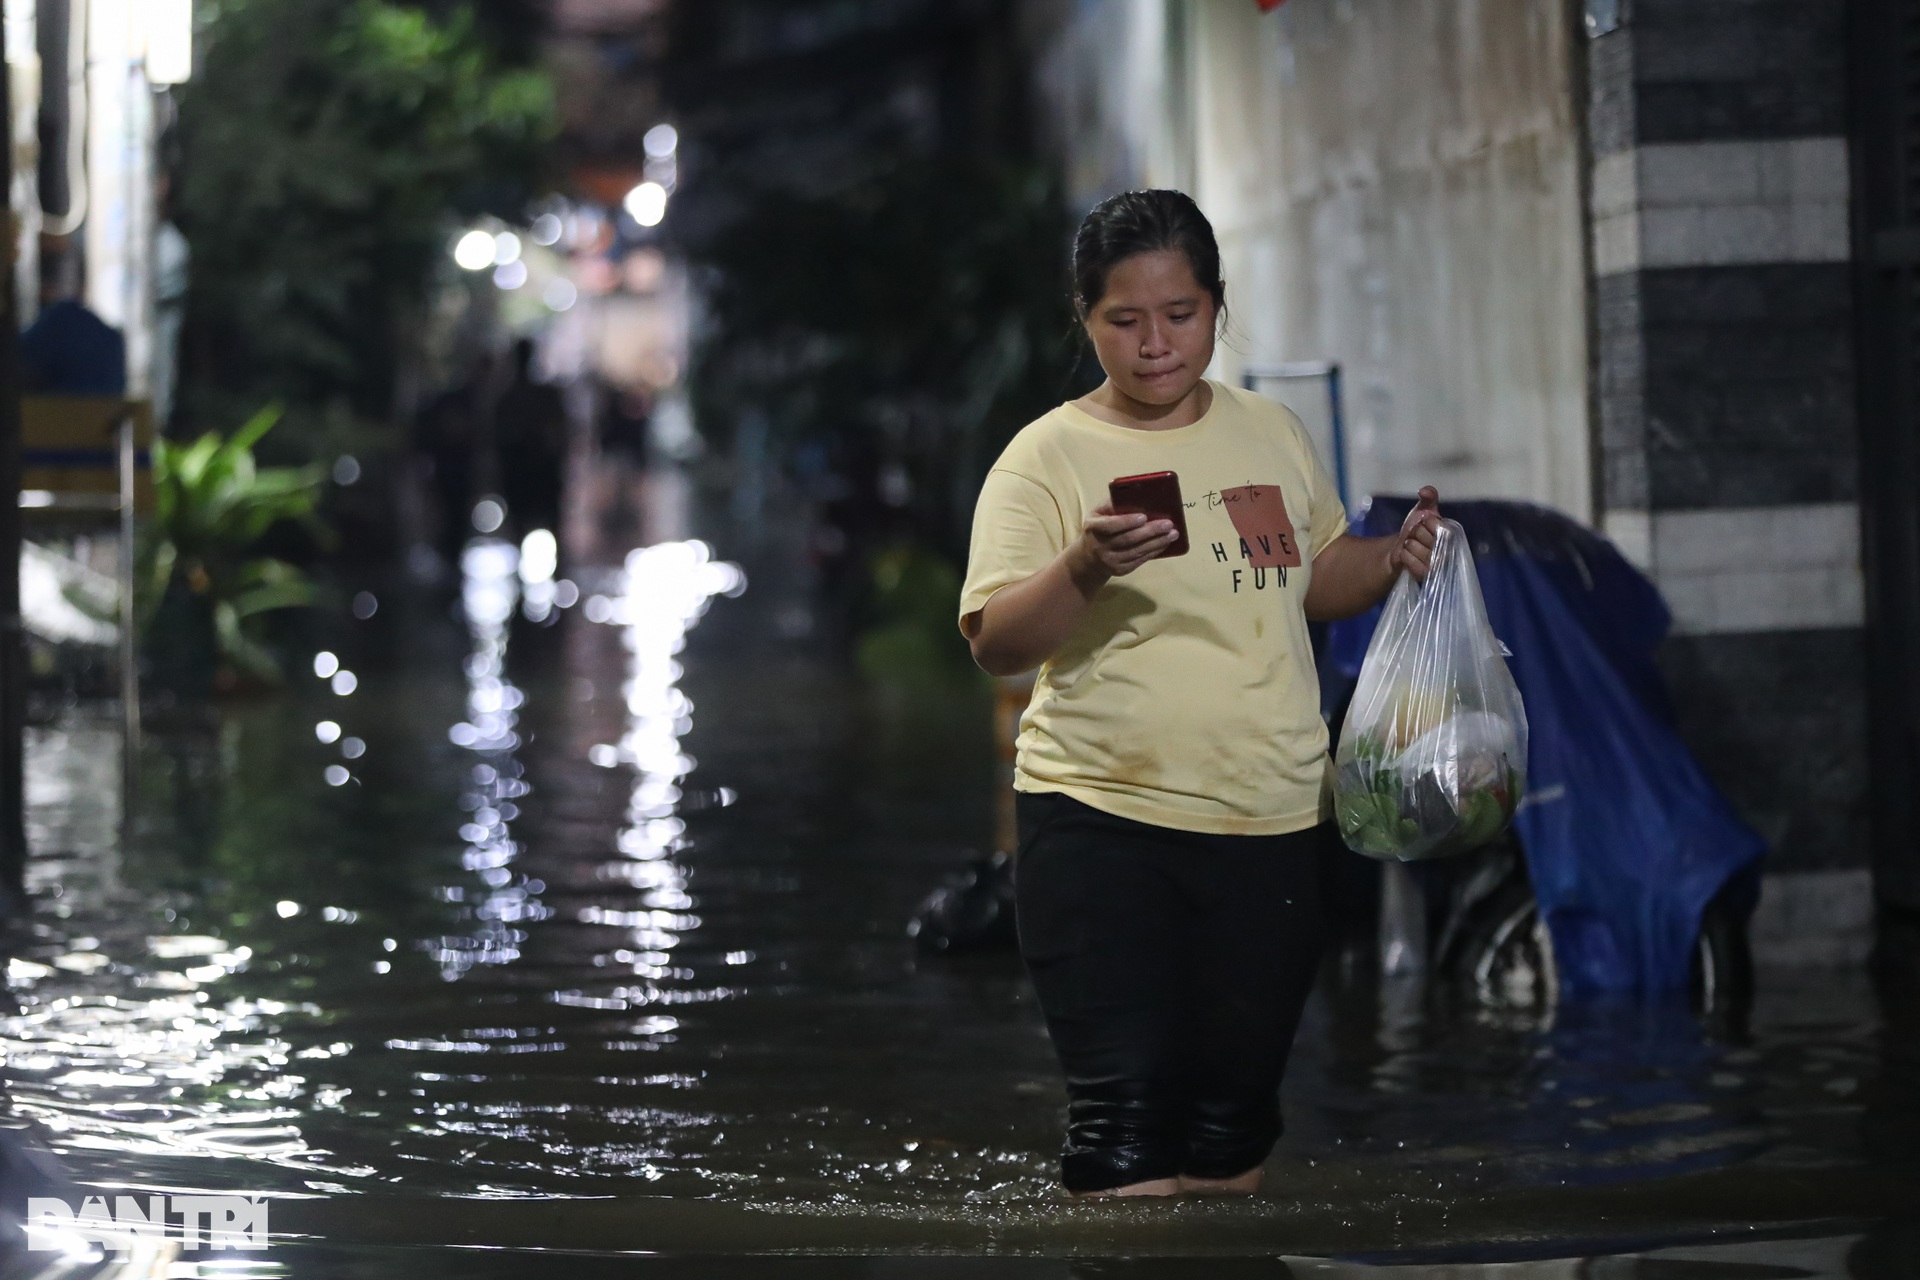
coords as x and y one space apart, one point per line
1433 754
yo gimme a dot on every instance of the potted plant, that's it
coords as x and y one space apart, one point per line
203 585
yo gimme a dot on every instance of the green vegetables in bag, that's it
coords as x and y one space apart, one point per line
1433 749
1387 812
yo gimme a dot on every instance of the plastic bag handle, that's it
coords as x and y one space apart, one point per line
1444 534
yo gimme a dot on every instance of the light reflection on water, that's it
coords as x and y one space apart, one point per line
535 952
138 1045
668 588
117 1046
499 900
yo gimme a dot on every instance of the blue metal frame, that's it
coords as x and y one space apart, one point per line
1330 370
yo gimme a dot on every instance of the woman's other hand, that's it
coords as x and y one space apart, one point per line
1413 548
1115 545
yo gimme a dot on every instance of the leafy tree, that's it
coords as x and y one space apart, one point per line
916 317
319 159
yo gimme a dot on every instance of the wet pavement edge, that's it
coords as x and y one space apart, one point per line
1729 1200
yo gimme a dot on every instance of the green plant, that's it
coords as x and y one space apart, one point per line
212 507
916 313
909 631
323 152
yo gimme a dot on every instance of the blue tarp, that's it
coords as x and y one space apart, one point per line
1625 838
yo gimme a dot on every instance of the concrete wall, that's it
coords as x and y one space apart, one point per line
1399 186
1396 187
1111 78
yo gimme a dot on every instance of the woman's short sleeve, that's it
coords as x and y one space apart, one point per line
1017 531
1326 514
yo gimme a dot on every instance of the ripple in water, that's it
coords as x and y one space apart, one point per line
141 1046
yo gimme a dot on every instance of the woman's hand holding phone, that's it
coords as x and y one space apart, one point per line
1025 623
1114 545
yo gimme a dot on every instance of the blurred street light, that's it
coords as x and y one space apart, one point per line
560 294
661 140
547 228
662 166
506 248
539 556
475 251
510 275
169 41
647 203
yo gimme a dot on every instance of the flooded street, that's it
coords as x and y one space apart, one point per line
491 785
588 934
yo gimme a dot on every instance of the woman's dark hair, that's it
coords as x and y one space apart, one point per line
1143 222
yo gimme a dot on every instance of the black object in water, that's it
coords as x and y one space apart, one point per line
971 910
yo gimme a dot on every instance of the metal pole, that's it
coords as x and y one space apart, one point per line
1338 418
1336 411
13 818
129 647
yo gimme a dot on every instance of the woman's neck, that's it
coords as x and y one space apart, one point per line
1110 404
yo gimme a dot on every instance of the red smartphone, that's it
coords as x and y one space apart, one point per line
1155 494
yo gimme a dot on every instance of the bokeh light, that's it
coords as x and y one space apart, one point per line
646 204
474 251
539 556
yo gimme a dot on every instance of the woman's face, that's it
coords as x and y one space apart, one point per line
1153 329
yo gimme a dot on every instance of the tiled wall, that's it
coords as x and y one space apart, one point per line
1725 386
1695 204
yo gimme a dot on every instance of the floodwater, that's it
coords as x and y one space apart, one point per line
587 935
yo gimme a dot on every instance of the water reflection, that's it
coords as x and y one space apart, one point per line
532 949
117 1044
664 591
498 900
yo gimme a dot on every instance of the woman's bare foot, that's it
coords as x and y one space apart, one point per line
1242 1184
1151 1187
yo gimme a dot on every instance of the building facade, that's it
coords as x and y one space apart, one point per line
1598 254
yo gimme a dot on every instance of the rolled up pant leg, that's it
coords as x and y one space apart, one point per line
1105 931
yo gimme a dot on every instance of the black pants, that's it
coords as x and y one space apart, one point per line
1172 967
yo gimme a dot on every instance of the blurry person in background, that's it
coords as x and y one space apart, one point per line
446 436
530 432
609 501
622 427
68 350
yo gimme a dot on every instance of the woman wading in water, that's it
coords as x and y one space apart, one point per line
1172 763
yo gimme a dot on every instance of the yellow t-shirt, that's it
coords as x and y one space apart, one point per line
1187 697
